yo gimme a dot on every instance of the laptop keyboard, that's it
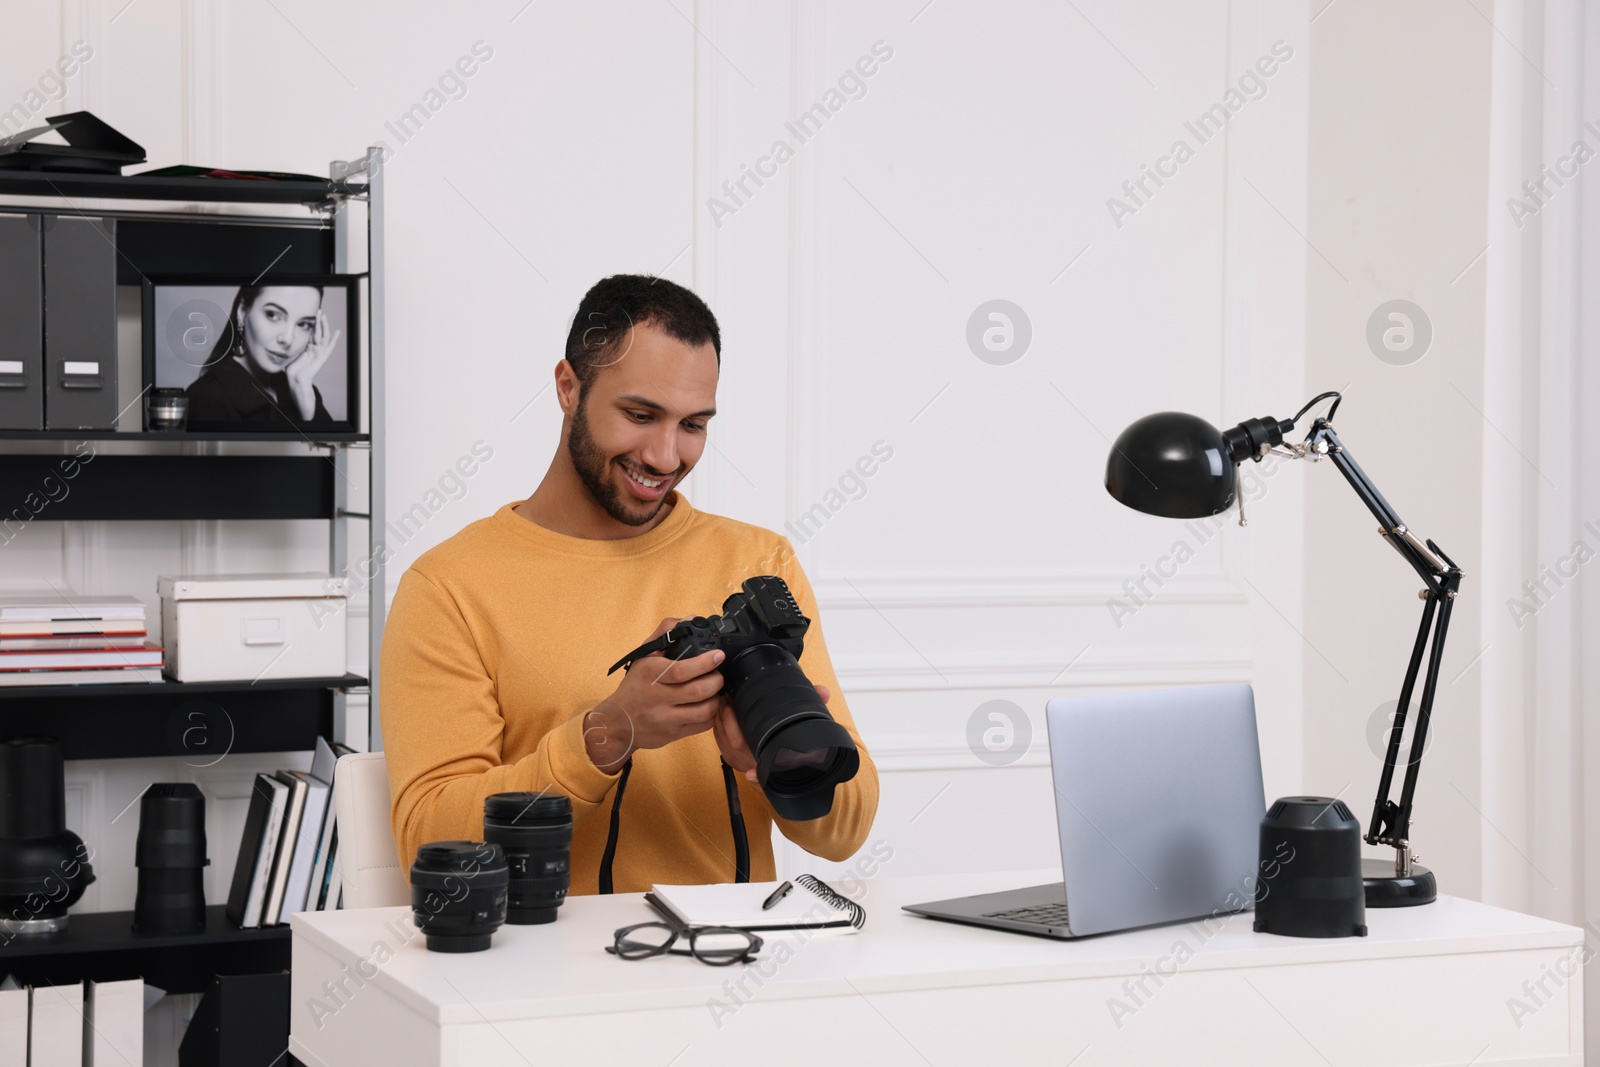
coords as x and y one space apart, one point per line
1041 914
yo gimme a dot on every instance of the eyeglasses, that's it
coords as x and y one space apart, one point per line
719 946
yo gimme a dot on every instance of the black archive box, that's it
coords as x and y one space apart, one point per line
21 323
80 323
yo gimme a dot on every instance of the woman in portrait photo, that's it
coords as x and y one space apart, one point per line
266 360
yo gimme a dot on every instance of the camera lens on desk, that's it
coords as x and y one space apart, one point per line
458 894
535 831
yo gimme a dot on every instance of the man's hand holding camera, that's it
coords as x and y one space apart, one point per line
660 701
737 674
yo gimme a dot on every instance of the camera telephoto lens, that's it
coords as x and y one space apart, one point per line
458 894
801 752
535 832
170 854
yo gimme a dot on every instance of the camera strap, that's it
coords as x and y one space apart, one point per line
642 651
616 824
741 841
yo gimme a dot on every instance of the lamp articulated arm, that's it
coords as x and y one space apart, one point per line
1391 822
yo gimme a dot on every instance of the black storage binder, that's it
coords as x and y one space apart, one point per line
80 323
21 323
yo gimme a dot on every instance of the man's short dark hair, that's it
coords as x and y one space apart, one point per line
615 304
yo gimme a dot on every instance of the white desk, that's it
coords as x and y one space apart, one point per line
1429 985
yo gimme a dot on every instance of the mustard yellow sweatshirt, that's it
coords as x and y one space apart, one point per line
498 644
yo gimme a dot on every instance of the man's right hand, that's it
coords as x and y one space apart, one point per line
658 702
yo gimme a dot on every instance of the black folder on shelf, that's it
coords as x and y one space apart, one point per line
80 323
93 147
21 323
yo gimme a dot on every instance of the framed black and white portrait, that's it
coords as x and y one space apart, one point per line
273 353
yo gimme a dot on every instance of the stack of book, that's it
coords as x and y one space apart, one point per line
69 640
286 860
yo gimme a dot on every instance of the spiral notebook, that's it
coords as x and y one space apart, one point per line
812 906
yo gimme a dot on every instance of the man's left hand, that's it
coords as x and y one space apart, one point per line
730 739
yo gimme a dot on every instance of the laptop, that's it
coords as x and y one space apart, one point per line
1158 804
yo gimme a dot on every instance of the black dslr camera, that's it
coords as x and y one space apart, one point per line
801 753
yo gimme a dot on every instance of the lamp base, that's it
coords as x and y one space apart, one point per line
1385 889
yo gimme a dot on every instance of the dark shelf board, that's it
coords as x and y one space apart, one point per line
54 488
213 190
314 437
169 687
199 722
102 946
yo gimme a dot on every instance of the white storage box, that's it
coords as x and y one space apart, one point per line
253 627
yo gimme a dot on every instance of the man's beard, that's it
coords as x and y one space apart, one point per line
594 469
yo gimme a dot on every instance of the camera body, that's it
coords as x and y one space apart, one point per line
765 613
801 753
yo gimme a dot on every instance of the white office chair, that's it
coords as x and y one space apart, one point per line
368 862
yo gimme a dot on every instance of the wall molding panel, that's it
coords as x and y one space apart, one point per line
908 672
1016 590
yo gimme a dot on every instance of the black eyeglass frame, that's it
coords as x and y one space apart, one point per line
691 934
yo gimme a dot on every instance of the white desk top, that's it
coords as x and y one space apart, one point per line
563 969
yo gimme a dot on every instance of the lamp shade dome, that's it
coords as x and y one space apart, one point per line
1174 465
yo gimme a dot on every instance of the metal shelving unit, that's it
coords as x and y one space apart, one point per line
199 722
176 486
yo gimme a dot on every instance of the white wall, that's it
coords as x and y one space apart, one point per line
981 560
1399 139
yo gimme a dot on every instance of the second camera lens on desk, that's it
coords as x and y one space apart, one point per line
458 894
535 832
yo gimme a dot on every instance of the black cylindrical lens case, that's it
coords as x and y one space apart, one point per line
171 856
44 867
534 830
1309 883
458 894
33 797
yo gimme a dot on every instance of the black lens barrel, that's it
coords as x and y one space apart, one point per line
458 894
778 708
534 830
171 856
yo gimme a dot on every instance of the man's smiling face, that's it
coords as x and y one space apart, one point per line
642 421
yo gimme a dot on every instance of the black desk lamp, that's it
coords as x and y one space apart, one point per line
1181 467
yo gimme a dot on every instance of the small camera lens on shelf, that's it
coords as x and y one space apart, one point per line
166 409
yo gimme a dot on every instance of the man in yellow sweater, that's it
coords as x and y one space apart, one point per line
496 649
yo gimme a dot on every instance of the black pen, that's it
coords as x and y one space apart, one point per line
777 895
